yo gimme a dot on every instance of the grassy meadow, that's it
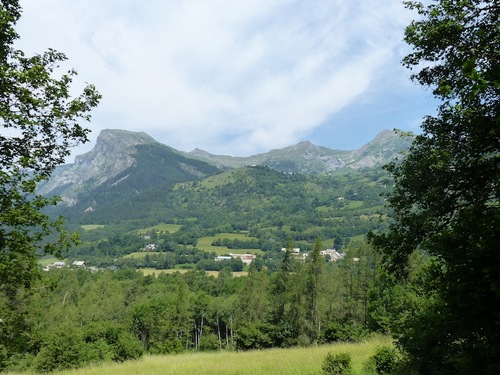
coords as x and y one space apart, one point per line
155 272
162 227
46 260
140 254
91 226
205 243
298 361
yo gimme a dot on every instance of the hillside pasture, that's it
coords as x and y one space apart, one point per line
354 204
162 227
91 226
205 243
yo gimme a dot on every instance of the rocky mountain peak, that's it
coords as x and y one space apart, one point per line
112 154
115 142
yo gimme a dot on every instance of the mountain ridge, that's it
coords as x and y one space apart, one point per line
307 158
130 162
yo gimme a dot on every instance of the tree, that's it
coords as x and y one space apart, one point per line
446 197
314 267
40 121
287 299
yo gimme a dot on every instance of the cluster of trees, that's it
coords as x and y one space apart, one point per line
77 317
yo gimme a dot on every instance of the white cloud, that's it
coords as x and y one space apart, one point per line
227 76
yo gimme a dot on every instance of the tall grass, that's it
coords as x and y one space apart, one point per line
294 361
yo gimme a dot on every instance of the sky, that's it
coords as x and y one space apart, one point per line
236 77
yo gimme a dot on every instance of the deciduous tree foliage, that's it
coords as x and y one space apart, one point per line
447 190
40 121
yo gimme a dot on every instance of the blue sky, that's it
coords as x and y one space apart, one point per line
236 77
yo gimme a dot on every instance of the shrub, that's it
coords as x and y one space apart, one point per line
127 347
209 341
337 364
63 348
112 341
385 359
343 332
254 336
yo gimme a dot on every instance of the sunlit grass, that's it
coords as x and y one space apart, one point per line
162 227
205 243
140 254
155 272
91 226
358 238
294 361
355 204
46 260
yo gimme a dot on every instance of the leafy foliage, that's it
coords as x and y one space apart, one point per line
40 122
337 364
447 191
385 359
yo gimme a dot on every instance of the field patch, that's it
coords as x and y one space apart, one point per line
205 243
46 260
162 227
141 254
221 250
155 272
355 204
91 226
358 238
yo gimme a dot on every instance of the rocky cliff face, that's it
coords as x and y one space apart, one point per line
112 154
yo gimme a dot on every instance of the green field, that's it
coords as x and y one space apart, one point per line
358 238
155 272
205 243
46 260
91 226
294 361
355 204
162 227
141 254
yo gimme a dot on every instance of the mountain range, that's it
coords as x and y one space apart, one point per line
125 163
307 158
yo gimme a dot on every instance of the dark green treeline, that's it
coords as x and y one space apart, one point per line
76 317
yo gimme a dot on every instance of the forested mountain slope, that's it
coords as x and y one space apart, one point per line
258 199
